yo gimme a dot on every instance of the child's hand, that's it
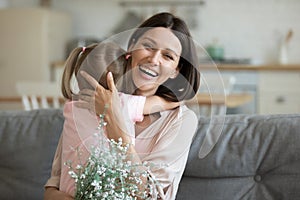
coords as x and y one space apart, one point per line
94 100
102 100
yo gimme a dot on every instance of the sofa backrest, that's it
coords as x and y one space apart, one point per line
257 157
28 141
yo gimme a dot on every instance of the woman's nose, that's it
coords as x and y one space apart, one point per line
154 57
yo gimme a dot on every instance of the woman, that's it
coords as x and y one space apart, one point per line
163 62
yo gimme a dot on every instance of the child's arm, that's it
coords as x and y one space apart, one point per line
138 106
156 104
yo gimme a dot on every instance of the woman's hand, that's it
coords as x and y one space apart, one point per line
108 101
52 193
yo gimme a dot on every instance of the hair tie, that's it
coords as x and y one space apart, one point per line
127 56
83 49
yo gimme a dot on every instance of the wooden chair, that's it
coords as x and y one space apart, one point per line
39 94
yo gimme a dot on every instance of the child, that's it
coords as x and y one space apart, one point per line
97 60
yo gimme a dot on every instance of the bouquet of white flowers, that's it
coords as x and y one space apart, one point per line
110 174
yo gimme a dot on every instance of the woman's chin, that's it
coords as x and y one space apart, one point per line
144 82
146 89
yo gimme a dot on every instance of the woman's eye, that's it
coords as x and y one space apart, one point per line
169 56
147 46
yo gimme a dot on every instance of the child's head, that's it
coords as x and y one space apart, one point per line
97 60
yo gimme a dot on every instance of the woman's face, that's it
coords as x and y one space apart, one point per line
155 58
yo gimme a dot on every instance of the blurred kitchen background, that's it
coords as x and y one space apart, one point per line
254 44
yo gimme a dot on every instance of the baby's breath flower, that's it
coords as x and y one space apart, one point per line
110 174
78 167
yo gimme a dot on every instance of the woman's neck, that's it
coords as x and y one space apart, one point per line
147 121
145 93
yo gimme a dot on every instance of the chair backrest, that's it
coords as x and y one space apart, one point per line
39 94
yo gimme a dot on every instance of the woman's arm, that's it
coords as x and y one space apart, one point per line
116 121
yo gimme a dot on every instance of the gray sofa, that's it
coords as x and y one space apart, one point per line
256 157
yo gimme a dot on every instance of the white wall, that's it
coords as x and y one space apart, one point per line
246 29
252 28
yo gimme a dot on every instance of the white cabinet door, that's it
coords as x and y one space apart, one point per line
279 92
279 103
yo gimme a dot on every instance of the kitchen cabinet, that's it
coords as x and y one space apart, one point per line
279 92
31 39
275 88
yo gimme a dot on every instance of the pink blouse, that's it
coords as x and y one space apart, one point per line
165 142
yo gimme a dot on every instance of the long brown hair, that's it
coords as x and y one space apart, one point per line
97 60
186 84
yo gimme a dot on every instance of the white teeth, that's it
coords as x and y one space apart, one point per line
148 71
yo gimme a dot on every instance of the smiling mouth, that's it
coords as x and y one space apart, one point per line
147 71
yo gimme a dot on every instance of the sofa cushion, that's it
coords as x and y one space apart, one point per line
256 157
28 140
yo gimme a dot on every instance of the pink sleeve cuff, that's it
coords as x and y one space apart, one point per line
134 105
138 108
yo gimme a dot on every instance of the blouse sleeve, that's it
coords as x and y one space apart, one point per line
170 151
54 180
78 130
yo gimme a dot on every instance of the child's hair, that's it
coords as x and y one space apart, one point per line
97 60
